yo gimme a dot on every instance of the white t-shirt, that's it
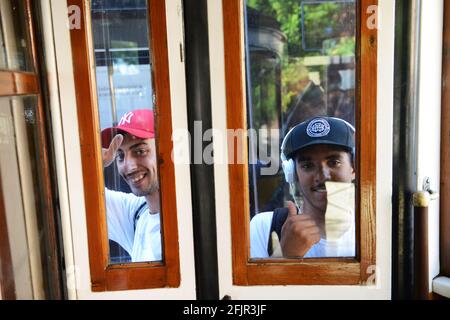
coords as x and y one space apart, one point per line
260 232
144 243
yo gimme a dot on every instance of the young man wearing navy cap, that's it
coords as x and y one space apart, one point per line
134 219
314 153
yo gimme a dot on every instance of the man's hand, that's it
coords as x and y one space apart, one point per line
108 155
298 234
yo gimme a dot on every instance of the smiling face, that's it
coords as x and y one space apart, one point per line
137 164
317 164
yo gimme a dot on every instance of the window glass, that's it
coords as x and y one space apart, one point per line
125 100
301 69
15 45
19 183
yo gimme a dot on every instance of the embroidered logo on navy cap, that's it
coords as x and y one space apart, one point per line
318 128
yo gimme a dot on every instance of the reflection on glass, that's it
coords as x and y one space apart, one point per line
15 45
125 100
301 69
20 185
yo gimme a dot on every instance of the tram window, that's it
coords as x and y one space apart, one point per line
131 210
14 39
304 172
125 102
297 74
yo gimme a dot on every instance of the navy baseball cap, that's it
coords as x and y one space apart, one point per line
319 130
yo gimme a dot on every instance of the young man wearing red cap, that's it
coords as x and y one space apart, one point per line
314 153
134 219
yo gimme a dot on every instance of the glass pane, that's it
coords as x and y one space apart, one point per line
125 100
14 38
19 183
301 74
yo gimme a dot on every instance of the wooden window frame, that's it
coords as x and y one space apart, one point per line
132 276
445 149
27 83
338 271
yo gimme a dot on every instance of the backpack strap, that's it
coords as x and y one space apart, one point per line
138 213
278 219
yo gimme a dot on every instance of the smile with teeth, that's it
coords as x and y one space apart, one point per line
321 189
136 177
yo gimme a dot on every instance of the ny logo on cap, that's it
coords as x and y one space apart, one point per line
318 128
126 118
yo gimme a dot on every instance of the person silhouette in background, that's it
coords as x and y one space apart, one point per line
304 98
340 103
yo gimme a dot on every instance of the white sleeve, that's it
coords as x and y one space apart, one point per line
259 234
120 209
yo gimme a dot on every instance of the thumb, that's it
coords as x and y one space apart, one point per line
292 208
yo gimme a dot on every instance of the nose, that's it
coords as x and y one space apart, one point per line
129 164
323 174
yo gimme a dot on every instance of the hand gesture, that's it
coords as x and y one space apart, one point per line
109 154
298 234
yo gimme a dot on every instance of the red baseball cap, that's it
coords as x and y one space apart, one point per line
139 123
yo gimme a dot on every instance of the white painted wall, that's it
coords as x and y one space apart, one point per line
384 174
429 133
67 144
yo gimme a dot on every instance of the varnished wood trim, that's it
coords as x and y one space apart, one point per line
307 273
291 272
366 124
445 149
421 260
236 119
7 284
130 276
90 153
158 40
18 83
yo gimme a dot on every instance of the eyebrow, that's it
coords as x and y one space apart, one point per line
301 158
137 145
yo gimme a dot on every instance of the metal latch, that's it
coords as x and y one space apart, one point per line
434 195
